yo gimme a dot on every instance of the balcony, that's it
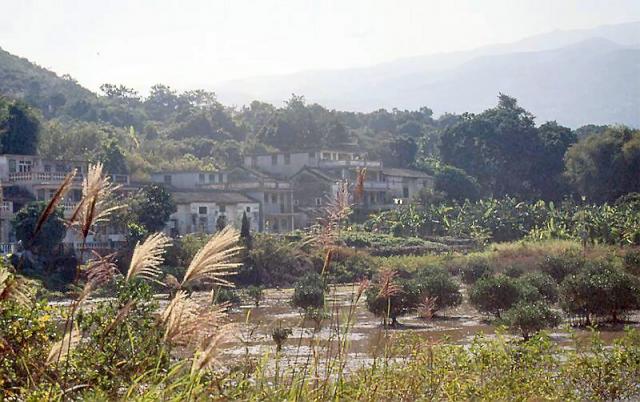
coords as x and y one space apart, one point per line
41 177
349 163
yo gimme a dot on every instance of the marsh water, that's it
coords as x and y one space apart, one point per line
367 338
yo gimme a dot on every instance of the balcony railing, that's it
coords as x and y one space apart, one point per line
271 185
18 177
6 248
349 163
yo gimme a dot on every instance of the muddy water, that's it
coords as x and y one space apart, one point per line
367 339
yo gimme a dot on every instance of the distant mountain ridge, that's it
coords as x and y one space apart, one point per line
575 77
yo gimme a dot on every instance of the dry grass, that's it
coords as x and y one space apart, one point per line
207 355
386 281
59 195
147 257
14 288
187 323
61 349
215 260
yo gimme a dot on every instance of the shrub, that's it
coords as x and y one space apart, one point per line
560 266
544 284
528 318
280 335
405 298
514 271
439 285
475 269
599 289
495 294
348 265
224 295
273 261
309 291
255 293
632 262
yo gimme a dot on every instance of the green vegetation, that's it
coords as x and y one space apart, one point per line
308 292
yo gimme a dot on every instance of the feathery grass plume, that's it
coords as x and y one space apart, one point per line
214 260
54 202
147 257
14 288
358 192
120 316
94 207
388 287
362 287
206 356
60 350
101 269
187 323
324 233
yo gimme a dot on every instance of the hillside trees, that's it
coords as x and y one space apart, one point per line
19 128
604 167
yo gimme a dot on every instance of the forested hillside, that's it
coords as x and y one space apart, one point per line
501 151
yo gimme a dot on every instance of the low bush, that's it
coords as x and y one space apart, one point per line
528 318
309 291
632 262
598 290
560 266
543 284
474 269
439 286
393 294
495 294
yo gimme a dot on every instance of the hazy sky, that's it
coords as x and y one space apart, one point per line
196 43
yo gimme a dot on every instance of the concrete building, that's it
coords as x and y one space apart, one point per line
26 178
201 211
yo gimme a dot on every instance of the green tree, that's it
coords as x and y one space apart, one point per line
19 128
113 158
51 234
438 285
456 184
604 167
152 207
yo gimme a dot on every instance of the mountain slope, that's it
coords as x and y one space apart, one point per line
575 77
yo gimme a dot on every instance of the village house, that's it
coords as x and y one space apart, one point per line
26 178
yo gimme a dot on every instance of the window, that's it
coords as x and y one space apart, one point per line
47 168
41 194
12 165
254 161
296 202
212 178
167 179
274 159
202 210
220 178
405 192
287 159
274 198
266 197
326 155
24 166
60 168
312 155
318 201
201 177
79 169
248 209
222 209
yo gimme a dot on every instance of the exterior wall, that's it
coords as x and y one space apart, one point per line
189 180
281 164
189 219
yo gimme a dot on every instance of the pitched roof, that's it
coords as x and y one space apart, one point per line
405 173
323 174
187 197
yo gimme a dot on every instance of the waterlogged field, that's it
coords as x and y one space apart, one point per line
366 338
